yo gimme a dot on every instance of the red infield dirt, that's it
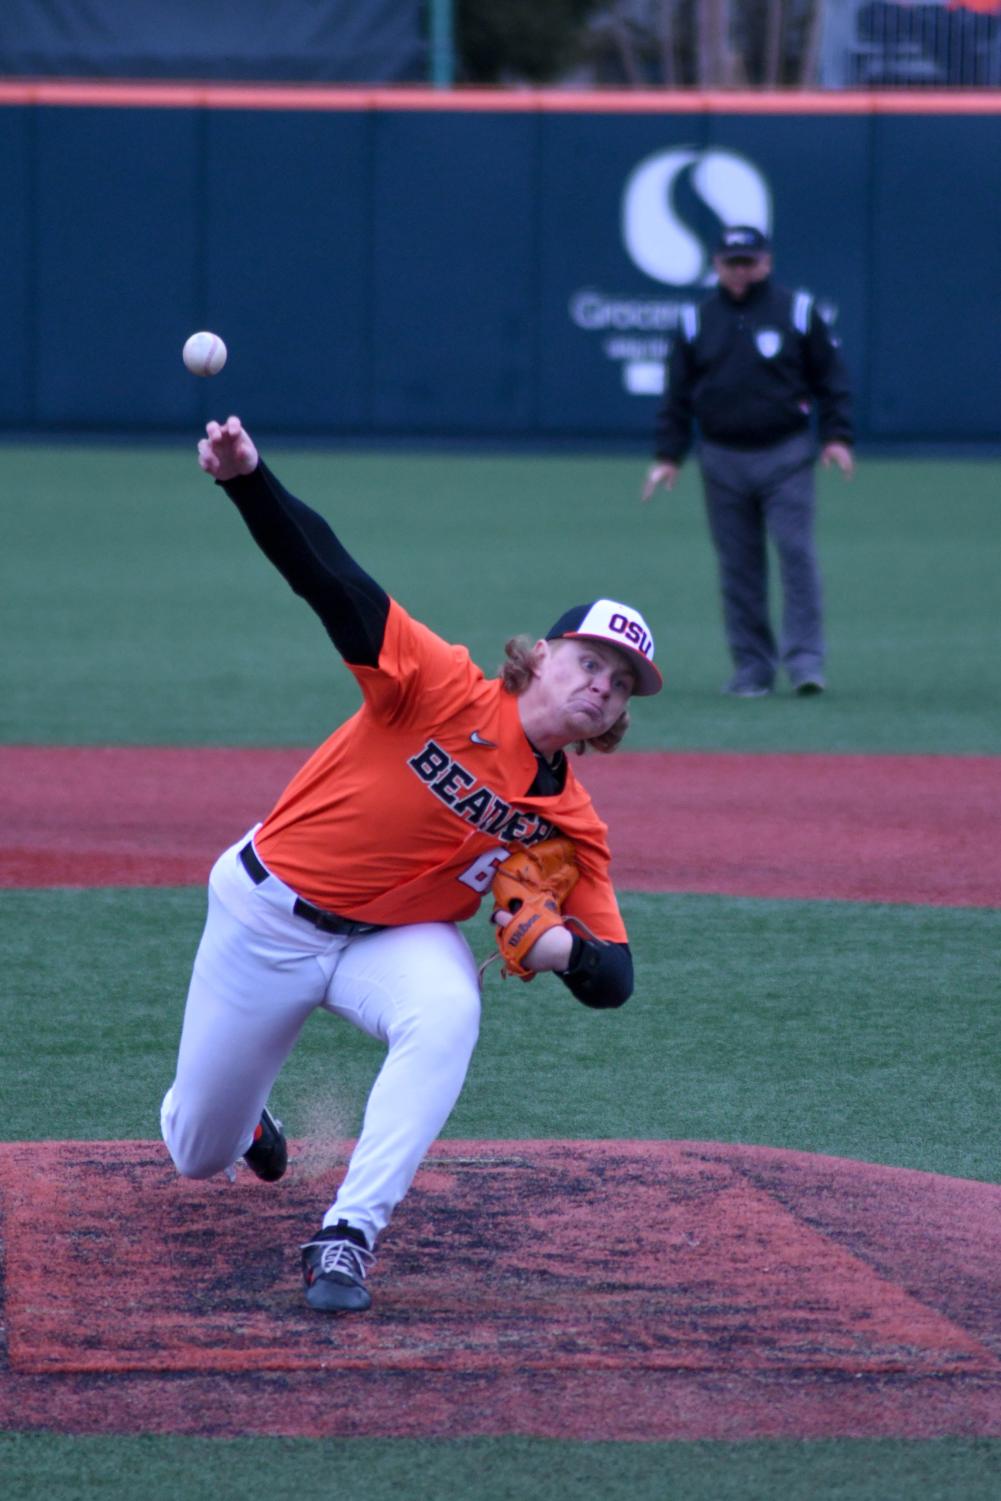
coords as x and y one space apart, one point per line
598 1290
923 829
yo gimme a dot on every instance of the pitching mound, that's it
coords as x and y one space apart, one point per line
564 1289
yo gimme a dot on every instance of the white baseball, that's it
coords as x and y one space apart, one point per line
204 354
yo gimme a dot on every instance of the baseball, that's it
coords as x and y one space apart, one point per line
204 354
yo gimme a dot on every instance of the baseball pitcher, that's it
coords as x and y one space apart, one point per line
445 788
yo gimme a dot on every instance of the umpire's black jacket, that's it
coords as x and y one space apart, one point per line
749 373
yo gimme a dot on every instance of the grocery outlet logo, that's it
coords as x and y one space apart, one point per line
674 205
657 238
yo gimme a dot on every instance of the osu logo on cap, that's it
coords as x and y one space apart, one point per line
633 631
624 627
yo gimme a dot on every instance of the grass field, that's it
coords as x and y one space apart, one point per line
63 1469
136 611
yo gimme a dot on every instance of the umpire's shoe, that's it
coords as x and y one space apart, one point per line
267 1155
334 1266
746 685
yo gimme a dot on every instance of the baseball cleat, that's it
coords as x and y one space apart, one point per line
741 687
267 1155
335 1264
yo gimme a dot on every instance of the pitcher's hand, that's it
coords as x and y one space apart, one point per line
227 450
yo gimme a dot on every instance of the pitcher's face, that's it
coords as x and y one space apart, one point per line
581 688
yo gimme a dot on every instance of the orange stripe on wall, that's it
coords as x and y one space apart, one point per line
141 94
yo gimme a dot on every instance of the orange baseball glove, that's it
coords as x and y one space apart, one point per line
532 884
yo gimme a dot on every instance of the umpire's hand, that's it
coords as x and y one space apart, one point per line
664 474
227 450
840 455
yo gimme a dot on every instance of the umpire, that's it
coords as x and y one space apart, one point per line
747 370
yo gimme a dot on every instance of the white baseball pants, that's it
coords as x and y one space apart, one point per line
258 974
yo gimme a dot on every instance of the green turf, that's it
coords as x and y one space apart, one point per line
136 610
860 1031
49 1468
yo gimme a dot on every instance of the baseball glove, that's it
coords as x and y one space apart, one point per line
532 884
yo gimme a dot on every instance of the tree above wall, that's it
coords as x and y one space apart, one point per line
519 41
640 43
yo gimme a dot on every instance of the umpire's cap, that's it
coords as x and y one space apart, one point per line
743 242
621 626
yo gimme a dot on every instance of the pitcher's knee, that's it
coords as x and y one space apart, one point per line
195 1152
193 1165
197 1159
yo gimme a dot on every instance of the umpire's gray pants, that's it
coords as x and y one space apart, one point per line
753 495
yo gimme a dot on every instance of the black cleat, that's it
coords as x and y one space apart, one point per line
334 1266
267 1155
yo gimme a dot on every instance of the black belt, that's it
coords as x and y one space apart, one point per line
327 922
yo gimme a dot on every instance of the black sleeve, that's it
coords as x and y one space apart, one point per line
828 376
306 552
600 975
674 416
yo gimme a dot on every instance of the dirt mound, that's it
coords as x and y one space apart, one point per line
564 1289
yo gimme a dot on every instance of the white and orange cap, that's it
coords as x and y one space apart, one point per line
621 626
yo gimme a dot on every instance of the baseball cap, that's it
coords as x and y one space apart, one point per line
621 626
741 241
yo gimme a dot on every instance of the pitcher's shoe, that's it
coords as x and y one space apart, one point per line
335 1264
267 1155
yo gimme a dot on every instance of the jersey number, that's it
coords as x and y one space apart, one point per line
480 874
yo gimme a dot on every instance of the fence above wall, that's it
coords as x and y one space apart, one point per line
490 265
337 42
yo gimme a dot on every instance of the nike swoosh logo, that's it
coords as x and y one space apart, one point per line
478 739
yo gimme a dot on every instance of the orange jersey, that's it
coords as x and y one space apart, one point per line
402 815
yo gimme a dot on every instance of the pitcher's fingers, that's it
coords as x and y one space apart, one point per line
208 459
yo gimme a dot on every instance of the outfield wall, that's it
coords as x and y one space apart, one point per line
508 265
